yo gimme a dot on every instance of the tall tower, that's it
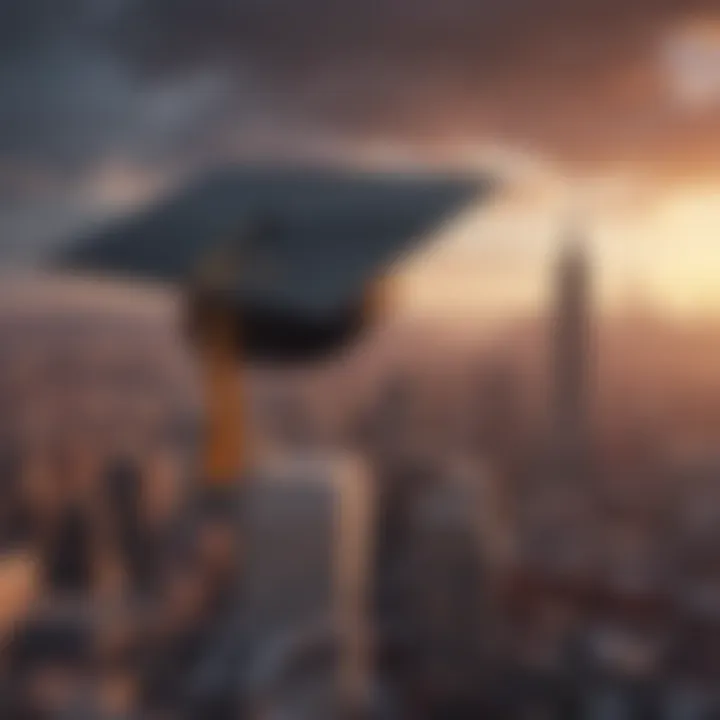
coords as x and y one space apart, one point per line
561 521
571 353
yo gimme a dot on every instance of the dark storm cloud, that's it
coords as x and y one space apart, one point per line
171 85
71 108
576 78
67 96
151 79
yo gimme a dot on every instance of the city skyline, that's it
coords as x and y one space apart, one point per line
368 444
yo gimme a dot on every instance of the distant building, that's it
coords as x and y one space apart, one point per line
499 447
691 535
487 504
560 525
388 432
448 604
571 356
496 413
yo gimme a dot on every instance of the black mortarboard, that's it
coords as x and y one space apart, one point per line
293 250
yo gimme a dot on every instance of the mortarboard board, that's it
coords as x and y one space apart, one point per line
292 251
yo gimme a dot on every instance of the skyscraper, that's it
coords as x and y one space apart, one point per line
306 574
561 521
571 355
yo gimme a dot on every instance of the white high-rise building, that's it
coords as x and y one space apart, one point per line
307 529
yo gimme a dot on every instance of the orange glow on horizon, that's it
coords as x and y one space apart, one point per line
500 260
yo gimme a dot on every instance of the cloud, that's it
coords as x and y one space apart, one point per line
153 79
582 80
166 87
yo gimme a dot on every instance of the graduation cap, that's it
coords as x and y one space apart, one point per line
291 252
279 264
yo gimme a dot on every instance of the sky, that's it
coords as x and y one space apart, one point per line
603 117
